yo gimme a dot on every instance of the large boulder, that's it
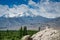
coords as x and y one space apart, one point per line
27 37
47 34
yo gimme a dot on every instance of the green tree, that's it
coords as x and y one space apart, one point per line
7 32
0 36
39 28
20 32
25 31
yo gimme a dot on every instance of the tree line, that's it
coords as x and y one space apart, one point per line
23 31
11 34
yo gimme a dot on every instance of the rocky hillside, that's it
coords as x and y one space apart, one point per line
47 34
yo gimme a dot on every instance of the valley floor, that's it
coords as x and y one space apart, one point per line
13 34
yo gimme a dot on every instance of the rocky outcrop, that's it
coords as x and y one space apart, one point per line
27 37
47 34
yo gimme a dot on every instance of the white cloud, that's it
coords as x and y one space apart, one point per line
3 9
45 9
13 12
31 2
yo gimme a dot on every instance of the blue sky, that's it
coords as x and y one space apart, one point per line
16 2
10 3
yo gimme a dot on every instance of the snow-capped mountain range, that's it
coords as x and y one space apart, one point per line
43 13
44 8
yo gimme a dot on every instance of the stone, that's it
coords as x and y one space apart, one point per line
47 34
27 37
